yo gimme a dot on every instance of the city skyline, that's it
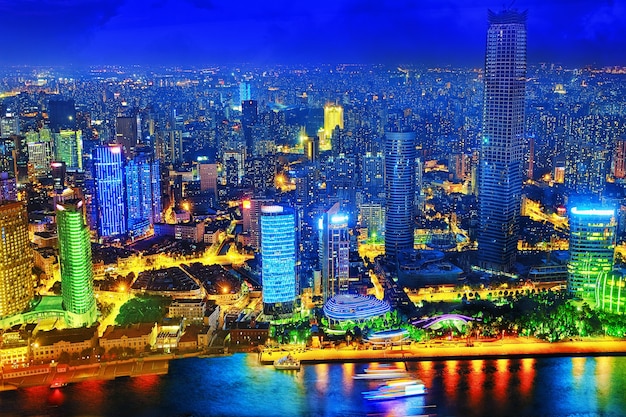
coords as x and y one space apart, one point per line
196 32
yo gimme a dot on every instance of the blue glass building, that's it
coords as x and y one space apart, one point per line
400 156
278 257
501 154
143 192
108 167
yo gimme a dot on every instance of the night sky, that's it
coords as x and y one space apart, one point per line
574 33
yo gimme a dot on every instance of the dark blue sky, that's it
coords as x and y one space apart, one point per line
199 32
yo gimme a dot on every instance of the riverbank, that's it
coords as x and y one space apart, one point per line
57 375
503 348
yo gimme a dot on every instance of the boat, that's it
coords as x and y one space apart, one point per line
396 389
384 371
58 384
287 363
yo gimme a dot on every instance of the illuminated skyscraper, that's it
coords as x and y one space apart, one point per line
143 191
278 258
619 158
400 156
334 252
68 148
500 171
110 197
591 249
333 118
16 259
76 267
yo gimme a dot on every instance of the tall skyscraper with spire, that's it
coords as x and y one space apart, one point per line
500 172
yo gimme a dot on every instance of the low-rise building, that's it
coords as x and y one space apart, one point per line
51 345
188 309
137 337
249 333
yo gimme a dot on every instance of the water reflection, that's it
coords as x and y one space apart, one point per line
239 386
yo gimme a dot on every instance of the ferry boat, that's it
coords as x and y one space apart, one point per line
384 371
287 363
396 389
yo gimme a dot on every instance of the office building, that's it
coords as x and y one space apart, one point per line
333 119
591 250
249 115
143 192
334 252
500 171
68 148
278 258
400 156
62 115
16 259
110 196
127 134
76 264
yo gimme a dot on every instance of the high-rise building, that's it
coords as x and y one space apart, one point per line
278 259
591 249
127 134
108 166
39 153
500 171
76 265
333 118
62 115
68 148
373 175
252 219
619 159
334 252
16 259
8 187
249 115
400 153
208 178
611 292
143 191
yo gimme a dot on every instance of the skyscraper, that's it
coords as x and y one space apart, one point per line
500 172
68 148
16 259
249 115
591 249
334 252
143 191
278 258
127 133
333 118
62 115
110 197
76 266
400 155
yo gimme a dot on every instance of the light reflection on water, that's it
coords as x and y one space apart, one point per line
239 386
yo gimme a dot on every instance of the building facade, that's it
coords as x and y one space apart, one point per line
591 249
334 252
500 171
278 257
108 165
76 264
400 156
16 259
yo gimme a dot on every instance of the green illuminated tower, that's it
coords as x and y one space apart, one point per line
76 267
591 250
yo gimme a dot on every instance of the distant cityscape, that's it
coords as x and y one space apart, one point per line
202 210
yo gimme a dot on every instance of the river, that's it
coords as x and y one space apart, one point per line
238 386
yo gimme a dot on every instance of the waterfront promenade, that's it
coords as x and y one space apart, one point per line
502 348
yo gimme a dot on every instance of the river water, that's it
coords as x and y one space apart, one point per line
238 385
